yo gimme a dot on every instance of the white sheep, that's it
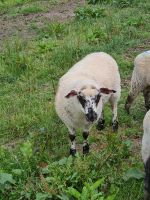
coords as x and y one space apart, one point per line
83 90
140 81
146 154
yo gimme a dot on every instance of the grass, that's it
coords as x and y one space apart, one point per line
34 162
25 7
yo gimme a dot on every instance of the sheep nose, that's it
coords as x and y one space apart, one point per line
91 115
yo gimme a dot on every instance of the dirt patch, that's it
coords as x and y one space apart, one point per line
137 144
63 12
20 24
13 144
144 46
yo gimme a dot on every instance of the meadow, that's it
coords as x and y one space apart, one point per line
34 144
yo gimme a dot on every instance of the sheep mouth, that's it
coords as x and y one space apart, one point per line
90 118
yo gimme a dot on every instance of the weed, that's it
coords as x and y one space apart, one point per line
53 30
96 36
28 10
123 3
89 12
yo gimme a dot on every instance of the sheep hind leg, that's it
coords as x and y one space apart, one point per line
131 97
72 137
101 122
114 104
146 94
128 103
85 142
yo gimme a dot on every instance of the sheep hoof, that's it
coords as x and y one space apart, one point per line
101 124
86 149
72 152
115 126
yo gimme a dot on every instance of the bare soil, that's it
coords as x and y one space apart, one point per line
20 24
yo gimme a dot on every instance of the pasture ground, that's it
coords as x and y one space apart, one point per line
39 42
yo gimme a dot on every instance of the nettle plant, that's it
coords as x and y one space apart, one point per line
89 12
69 178
95 36
90 191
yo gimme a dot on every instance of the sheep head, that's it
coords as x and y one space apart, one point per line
89 100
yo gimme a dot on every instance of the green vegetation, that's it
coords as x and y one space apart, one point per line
34 162
89 12
16 7
118 3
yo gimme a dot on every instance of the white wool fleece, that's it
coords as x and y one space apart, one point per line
141 72
96 69
146 138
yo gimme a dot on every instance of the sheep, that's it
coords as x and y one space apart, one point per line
140 81
146 154
83 91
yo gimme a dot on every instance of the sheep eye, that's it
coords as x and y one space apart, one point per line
97 99
82 100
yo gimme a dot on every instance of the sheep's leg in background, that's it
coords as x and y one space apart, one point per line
85 142
136 87
132 95
101 122
146 93
72 137
114 106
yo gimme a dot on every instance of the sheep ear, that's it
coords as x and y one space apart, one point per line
106 91
71 94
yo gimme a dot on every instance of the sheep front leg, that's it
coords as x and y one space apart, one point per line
72 137
114 106
101 122
129 101
85 142
115 118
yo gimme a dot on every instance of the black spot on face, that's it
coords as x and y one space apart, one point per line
97 98
82 100
86 102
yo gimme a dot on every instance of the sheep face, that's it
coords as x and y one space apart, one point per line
89 101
